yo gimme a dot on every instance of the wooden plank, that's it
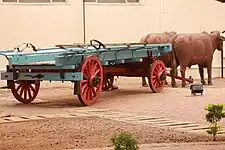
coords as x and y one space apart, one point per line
124 55
107 56
2 120
68 60
14 119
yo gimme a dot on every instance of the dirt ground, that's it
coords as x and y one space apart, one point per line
57 98
81 132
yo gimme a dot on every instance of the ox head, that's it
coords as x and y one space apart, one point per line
218 37
222 35
221 39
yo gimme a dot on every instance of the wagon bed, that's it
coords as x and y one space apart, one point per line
91 67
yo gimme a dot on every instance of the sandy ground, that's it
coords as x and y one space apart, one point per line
57 98
81 132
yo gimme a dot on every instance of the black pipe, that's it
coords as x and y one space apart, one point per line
84 23
222 63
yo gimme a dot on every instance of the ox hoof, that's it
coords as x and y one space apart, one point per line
210 83
203 82
166 83
114 87
183 86
174 86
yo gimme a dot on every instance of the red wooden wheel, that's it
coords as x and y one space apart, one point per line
157 76
25 91
91 85
107 82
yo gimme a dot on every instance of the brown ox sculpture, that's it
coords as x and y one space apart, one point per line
197 49
161 38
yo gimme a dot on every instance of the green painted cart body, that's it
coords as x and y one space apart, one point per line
91 67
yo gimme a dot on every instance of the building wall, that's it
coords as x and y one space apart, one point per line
43 25
47 25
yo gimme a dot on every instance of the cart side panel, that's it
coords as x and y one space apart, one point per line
68 60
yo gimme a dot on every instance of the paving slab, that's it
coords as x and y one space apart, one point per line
175 146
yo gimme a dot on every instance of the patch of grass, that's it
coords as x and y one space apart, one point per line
124 141
214 115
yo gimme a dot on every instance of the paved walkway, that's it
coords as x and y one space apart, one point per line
176 146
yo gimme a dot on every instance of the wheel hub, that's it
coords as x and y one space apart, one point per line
161 76
94 81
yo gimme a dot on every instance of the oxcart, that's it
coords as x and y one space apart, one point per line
91 67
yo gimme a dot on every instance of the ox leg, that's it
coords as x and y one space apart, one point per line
209 71
182 70
173 73
201 72
173 69
166 83
144 84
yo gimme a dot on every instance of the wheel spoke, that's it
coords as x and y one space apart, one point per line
94 68
21 91
154 82
84 88
84 82
85 76
91 94
96 72
154 77
160 68
93 91
86 73
29 92
19 87
32 88
25 92
90 68
88 94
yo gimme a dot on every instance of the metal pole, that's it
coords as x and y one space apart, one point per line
222 63
84 23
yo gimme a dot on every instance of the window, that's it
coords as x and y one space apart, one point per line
113 1
33 1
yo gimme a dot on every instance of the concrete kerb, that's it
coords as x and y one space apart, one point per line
171 146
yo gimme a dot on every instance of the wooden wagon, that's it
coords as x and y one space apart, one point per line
91 67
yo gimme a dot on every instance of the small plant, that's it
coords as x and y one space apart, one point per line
124 141
214 115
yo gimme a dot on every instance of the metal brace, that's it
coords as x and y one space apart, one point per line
62 74
15 74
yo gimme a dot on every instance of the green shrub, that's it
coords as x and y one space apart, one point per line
124 141
214 115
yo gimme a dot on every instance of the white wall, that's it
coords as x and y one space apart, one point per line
47 25
44 25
